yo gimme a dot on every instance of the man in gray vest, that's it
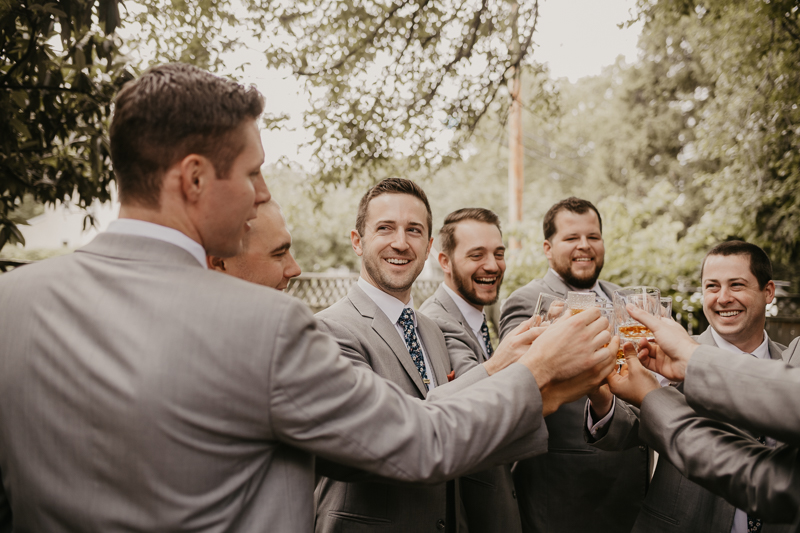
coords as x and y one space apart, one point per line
574 487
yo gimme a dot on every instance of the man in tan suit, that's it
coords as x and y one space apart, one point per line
472 257
141 392
266 256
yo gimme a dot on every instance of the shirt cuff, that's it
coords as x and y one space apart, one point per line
595 427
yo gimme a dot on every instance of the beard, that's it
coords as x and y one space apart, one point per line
585 281
469 294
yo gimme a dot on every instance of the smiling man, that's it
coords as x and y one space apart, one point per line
266 257
582 485
472 258
737 285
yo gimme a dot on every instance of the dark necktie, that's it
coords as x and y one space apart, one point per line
406 322
486 340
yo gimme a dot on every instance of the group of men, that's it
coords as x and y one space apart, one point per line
140 390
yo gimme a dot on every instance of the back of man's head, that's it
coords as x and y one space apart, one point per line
447 235
572 204
172 111
391 186
760 265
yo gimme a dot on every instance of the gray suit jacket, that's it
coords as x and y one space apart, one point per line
674 503
371 342
721 457
489 497
574 487
140 392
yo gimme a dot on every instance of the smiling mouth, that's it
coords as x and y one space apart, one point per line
398 261
486 280
726 314
583 260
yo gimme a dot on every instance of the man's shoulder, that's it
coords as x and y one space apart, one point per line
433 308
340 311
527 294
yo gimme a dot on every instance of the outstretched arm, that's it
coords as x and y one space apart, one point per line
761 480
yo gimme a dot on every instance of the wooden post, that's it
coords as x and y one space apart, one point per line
516 179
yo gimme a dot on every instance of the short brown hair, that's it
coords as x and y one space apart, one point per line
572 204
760 265
172 111
391 186
447 235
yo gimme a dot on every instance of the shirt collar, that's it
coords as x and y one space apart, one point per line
595 288
391 306
473 317
140 228
762 352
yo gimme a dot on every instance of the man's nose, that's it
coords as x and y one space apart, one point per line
400 242
262 191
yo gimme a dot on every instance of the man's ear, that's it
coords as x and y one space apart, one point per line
444 262
215 263
546 246
770 291
355 240
196 171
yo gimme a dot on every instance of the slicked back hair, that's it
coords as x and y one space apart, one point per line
760 265
172 111
572 204
391 186
447 235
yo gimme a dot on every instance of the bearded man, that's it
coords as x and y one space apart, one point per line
574 487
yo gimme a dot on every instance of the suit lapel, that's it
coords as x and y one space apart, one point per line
452 309
387 331
775 351
555 285
432 340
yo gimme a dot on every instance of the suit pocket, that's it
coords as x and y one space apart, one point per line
358 519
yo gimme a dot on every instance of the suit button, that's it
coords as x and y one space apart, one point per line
514 494
440 525
643 448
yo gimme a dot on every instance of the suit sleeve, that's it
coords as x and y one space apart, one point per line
322 403
620 433
761 480
516 310
763 396
462 357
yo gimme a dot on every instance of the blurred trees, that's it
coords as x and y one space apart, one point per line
59 69
400 78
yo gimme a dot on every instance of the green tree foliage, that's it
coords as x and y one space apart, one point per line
745 128
389 79
59 70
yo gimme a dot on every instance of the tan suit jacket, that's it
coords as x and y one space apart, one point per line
140 392
489 497
367 337
762 396
573 488
674 504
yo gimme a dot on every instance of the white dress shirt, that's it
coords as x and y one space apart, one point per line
473 317
393 308
140 228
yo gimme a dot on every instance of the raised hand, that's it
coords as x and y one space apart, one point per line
568 359
634 381
515 345
674 347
